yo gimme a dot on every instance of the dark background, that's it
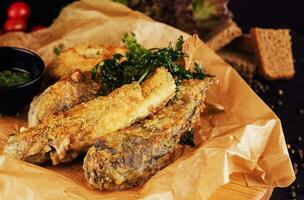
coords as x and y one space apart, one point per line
247 13
269 13
43 11
289 106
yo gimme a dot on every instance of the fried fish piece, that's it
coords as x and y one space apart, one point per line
62 138
66 93
82 57
130 156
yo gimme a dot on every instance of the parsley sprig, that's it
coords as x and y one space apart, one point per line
139 63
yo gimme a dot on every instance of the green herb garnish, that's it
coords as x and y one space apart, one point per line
10 78
57 50
188 138
202 9
138 63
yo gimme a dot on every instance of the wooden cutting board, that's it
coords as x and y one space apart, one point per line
238 190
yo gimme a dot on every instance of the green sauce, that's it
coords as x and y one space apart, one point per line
13 77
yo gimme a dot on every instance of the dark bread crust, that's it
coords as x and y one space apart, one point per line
243 63
243 43
223 34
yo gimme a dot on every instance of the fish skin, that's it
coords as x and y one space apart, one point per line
130 156
61 138
63 95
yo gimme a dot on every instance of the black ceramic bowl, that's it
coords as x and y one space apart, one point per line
14 98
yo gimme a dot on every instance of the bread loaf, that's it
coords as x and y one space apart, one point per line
273 52
223 34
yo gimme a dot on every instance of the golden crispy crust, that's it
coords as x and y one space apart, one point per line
68 92
130 156
189 48
63 137
81 57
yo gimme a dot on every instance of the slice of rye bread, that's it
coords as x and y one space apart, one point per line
244 63
273 52
243 43
223 34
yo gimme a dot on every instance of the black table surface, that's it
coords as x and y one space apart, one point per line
286 97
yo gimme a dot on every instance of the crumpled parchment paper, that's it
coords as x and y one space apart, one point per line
247 138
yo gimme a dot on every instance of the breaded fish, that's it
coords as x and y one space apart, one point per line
130 156
66 93
82 57
63 137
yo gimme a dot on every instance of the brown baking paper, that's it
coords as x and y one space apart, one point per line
247 138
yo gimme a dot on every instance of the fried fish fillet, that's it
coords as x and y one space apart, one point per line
130 156
66 93
82 57
62 138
